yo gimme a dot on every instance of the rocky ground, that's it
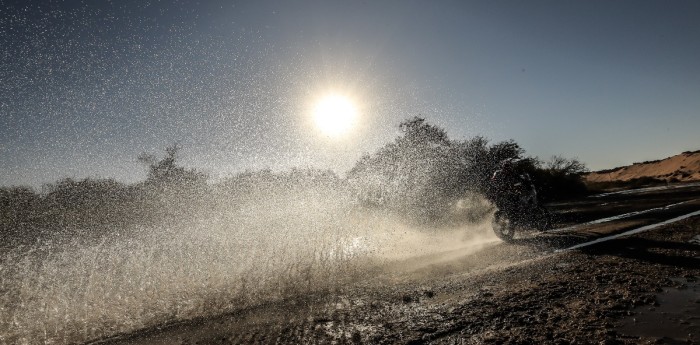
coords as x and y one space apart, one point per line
636 289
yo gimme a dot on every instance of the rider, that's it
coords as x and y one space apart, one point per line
512 185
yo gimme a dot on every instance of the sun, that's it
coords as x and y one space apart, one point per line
335 115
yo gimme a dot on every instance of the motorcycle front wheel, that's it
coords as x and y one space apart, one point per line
544 221
502 226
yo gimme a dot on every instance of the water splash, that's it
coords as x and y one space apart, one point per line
275 249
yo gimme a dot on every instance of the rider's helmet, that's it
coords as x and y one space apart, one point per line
507 166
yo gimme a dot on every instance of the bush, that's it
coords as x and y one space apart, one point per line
418 175
559 178
630 184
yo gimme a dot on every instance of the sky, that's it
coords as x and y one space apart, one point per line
87 86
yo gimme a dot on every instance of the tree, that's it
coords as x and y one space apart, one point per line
565 166
418 132
171 192
417 174
166 174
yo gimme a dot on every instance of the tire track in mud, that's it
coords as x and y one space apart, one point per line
604 229
622 216
632 232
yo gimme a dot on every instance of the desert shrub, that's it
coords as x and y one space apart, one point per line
64 207
16 204
416 175
171 192
559 178
270 190
85 202
629 184
18 210
606 171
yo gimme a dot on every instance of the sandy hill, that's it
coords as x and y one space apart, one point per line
678 168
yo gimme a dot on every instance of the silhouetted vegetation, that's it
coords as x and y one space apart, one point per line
607 171
559 178
422 175
647 162
640 182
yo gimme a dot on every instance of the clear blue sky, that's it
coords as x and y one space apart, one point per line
86 87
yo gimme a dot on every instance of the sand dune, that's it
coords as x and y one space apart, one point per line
679 168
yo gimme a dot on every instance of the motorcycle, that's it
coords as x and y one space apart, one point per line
518 209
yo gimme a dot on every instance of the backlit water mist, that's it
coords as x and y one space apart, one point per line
260 251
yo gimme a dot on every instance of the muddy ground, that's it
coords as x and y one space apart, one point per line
636 289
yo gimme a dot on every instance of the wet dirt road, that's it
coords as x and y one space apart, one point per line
534 290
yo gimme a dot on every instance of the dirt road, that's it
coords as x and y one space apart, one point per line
640 288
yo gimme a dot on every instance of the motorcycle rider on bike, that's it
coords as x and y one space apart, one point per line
513 186
515 197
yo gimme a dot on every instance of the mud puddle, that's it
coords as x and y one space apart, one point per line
676 318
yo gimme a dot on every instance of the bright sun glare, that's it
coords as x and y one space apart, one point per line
335 115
